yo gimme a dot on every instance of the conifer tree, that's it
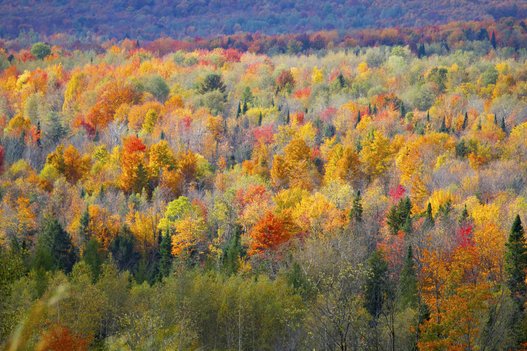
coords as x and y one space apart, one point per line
356 209
465 121
54 248
377 285
493 40
233 253
93 258
516 262
503 125
407 296
165 252
429 218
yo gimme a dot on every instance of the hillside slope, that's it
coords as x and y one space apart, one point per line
179 19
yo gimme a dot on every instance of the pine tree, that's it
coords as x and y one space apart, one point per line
403 110
515 267
260 118
493 40
288 119
407 294
238 111
377 287
233 253
84 226
443 128
54 248
464 215
356 209
123 250
495 119
399 217
428 116
516 262
421 51
165 251
465 121
245 108
93 258
429 218
503 125
358 119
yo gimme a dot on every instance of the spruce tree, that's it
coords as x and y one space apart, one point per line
429 218
516 262
260 118
503 125
377 287
238 111
493 40
465 121
165 252
358 119
356 209
233 253
407 296
443 128
54 248
93 258
464 216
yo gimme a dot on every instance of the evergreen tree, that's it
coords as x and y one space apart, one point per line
93 258
166 258
429 218
495 119
288 119
238 111
377 287
84 230
358 119
421 51
515 267
465 121
516 262
503 125
428 116
54 248
233 253
403 110
123 250
341 80
398 216
443 128
464 215
356 209
407 294
493 40
245 108
260 118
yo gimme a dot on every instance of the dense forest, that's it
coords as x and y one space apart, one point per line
194 195
150 19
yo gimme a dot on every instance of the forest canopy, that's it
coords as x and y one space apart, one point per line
265 192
